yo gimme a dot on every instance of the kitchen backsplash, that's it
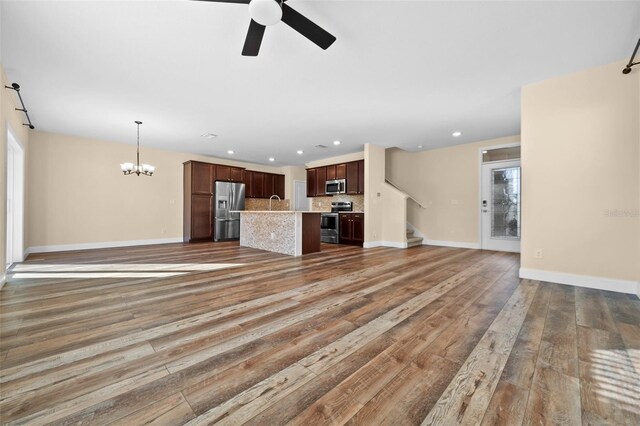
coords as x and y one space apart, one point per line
323 204
263 204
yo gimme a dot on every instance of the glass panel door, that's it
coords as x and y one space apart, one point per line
500 206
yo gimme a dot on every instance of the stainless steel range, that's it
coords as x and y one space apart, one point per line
330 222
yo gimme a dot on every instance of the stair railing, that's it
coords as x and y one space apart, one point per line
410 197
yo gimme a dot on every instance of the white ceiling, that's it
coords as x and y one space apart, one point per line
401 73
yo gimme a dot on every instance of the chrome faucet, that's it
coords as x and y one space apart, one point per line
271 198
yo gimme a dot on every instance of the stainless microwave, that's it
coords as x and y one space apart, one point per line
333 187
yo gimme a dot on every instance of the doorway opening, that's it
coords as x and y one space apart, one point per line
501 199
15 200
300 200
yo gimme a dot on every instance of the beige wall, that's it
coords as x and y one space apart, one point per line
11 118
446 182
78 195
580 167
384 206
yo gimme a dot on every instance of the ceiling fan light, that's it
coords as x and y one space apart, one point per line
265 12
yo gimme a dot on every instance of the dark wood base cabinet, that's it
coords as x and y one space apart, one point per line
352 228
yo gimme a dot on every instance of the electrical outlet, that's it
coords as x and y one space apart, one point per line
273 236
537 253
172 201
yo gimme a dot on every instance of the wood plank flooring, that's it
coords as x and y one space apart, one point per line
220 334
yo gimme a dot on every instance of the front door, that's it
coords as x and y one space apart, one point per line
500 206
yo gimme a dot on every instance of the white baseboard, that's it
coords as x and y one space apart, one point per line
394 244
108 244
599 283
3 279
456 244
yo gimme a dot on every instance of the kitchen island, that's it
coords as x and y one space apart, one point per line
288 232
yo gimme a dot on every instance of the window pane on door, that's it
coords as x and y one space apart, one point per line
505 206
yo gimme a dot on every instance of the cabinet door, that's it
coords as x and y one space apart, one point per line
352 178
341 171
248 184
331 172
279 186
311 182
268 185
201 178
236 174
361 177
201 216
223 173
258 185
357 221
321 179
345 228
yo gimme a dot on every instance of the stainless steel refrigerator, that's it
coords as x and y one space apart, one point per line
228 197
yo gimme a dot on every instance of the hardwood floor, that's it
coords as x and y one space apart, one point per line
216 333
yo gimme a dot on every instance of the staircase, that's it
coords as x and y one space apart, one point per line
412 240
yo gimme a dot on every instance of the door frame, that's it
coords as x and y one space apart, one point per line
16 154
479 200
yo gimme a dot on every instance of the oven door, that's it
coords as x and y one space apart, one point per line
329 221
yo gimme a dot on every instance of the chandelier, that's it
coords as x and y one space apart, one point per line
130 168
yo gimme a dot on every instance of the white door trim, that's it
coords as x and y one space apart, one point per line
487 148
15 154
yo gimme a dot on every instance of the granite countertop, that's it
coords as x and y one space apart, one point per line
272 211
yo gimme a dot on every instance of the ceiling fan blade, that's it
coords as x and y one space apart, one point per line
227 1
305 27
254 39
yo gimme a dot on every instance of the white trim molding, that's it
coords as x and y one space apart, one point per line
393 244
599 283
456 244
3 280
108 244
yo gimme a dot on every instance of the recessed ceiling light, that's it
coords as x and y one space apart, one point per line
336 142
230 152
419 146
209 135
456 134
300 152
272 159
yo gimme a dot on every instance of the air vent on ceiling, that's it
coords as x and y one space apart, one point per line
321 146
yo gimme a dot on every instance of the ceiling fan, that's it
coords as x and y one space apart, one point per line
269 12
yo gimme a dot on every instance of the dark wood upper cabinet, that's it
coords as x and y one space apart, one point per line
236 174
352 177
201 177
331 172
279 186
321 179
258 185
248 184
311 182
223 173
268 185
341 171
361 177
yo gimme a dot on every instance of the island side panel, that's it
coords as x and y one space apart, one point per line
256 230
310 233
